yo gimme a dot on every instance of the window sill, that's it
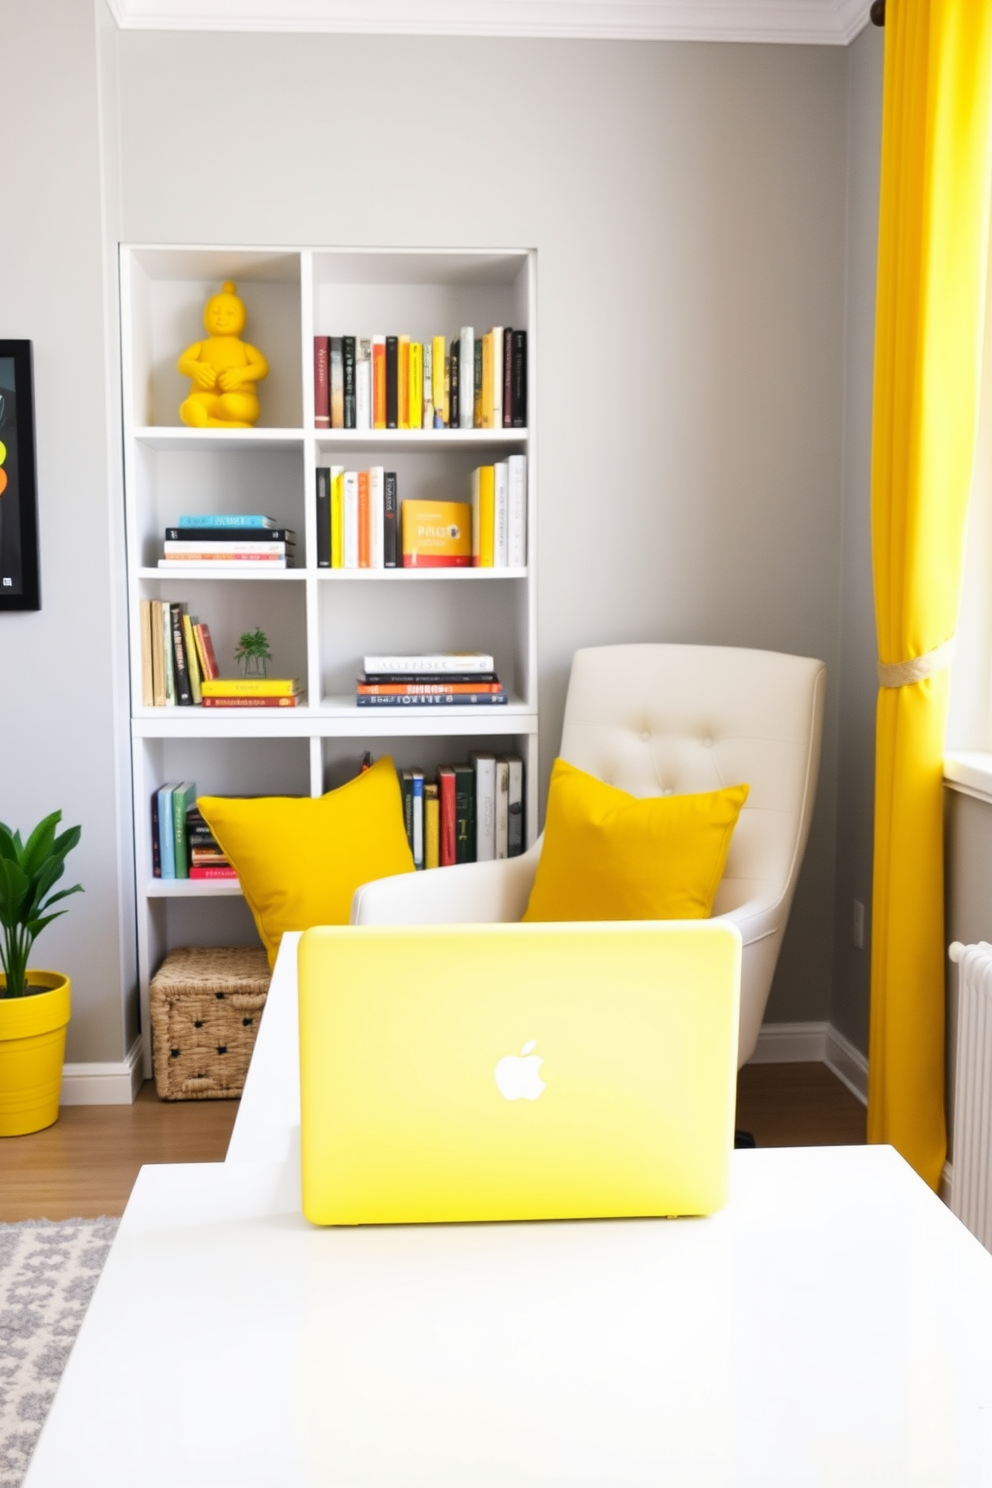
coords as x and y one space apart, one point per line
969 772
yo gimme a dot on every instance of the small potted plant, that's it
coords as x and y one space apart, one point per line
34 1005
253 654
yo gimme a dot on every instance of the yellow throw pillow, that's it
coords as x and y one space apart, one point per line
300 860
608 855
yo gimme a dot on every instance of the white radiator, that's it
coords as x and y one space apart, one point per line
971 1189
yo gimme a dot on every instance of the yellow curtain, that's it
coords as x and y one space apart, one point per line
932 255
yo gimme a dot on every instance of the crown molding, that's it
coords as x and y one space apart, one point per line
811 22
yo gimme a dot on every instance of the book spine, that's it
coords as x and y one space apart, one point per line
210 668
363 519
212 872
515 807
485 805
392 382
390 520
502 808
337 384
507 375
181 798
168 656
378 382
250 702
477 681
192 660
479 381
158 657
321 382
363 384
252 687
439 401
519 390
448 822
348 373
501 514
403 382
406 796
453 384
427 400
425 689
432 857
230 551
376 517
351 519
184 693
483 502
429 700
337 516
416 384
230 536
517 512
323 516
156 850
496 361
417 803
431 663
464 814
219 519
166 840
145 626
466 377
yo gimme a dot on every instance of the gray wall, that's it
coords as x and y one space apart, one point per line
858 645
688 206
59 732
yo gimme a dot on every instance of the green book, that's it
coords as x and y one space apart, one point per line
464 813
183 797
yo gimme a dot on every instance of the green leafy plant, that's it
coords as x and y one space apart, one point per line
28 873
253 654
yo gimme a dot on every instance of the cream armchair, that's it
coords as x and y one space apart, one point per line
664 720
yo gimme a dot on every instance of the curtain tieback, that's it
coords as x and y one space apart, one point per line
905 673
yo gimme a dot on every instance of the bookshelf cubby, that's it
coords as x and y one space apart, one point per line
319 621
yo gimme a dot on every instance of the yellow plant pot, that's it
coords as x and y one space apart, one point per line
32 1050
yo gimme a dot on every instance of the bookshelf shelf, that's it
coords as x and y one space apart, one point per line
320 621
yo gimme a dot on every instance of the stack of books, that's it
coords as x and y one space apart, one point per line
182 843
393 382
252 692
249 542
430 680
468 813
177 654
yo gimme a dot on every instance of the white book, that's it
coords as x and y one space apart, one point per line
428 396
502 807
417 815
484 764
429 661
351 519
501 514
515 806
377 484
517 509
466 377
363 384
225 549
497 376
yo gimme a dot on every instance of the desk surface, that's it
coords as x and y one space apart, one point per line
832 1326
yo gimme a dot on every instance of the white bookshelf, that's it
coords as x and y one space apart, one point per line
319 621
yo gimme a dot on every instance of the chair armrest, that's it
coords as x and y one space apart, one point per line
757 919
466 894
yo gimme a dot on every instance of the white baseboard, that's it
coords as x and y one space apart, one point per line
111 1084
799 1043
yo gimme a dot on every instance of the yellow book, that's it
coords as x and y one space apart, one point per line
486 411
403 383
192 659
436 534
483 516
251 687
432 827
337 516
439 379
416 403
147 688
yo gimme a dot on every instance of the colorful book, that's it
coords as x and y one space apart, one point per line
427 396
251 687
447 817
363 520
145 637
168 656
392 382
323 516
217 519
192 660
406 800
453 383
439 399
402 382
251 702
183 796
390 520
348 353
166 837
417 816
205 650
363 383
436 534
213 872
501 831
484 765
464 813
416 386
439 680
184 692
424 689
483 501
432 824
430 700
337 516
321 382
158 654
378 382
337 384
231 535
428 662
479 383
156 849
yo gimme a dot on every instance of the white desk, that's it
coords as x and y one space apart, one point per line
832 1326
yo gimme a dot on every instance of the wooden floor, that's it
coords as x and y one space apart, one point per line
86 1163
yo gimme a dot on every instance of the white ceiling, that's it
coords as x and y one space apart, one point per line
823 22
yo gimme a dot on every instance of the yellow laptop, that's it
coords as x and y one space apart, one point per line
492 1072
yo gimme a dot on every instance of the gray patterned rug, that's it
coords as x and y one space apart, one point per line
48 1271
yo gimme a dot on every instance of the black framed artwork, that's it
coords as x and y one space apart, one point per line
19 586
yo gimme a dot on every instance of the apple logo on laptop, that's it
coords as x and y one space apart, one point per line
517 1076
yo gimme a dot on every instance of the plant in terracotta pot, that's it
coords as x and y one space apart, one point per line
34 1005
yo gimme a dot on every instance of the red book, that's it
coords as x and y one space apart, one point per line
364 540
378 382
249 702
448 816
216 872
205 648
322 381
417 689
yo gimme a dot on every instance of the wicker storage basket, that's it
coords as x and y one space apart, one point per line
206 1005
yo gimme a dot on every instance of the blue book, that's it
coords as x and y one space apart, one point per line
217 519
431 700
417 816
166 836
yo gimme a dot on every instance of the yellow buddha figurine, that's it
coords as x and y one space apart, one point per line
223 369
